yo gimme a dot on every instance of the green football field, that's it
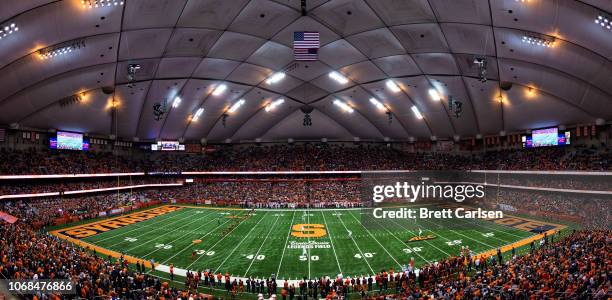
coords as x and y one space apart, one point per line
269 242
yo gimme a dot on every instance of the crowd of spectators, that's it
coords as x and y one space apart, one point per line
576 267
30 254
33 187
591 211
17 162
272 193
47 209
302 157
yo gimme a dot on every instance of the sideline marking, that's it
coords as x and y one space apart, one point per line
285 247
261 246
332 242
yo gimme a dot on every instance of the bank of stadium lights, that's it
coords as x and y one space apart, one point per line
100 3
338 77
236 106
61 49
345 107
197 114
274 104
377 103
417 113
538 41
177 101
435 96
7 30
219 90
393 86
275 78
604 21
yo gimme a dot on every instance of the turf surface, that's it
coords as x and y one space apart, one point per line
262 244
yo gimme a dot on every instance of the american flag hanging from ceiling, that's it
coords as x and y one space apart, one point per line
306 45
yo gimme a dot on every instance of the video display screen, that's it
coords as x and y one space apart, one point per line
546 137
69 141
167 146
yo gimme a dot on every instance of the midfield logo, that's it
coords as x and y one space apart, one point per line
421 238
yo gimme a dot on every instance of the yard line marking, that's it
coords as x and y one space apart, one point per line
358 249
493 228
243 239
186 247
463 235
332 242
412 232
284 248
144 233
262 243
181 212
375 239
308 216
189 232
223 238
169 232
417 253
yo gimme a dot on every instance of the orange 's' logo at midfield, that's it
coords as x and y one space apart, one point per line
309 230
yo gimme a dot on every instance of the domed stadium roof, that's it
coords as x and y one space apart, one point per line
66 66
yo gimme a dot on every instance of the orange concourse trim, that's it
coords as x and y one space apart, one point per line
115 254
518 244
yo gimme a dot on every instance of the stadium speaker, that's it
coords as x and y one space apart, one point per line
307 109
505 85
108 90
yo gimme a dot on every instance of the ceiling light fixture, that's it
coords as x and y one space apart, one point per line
236 106
538 41
377 103
100 3
435 96
176 102
393 86
274 104
417 113
197 115
61 49
7 30
276 77
338 77
604 20
219 90
343 106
